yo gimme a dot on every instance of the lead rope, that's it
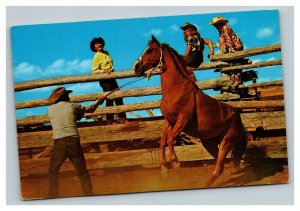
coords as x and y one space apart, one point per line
128 83
160 64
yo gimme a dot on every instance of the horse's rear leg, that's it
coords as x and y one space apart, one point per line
176 130
162 157
225 147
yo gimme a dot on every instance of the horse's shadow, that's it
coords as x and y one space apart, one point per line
256 169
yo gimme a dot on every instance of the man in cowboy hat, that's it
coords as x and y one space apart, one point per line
195 45
63 118
103 63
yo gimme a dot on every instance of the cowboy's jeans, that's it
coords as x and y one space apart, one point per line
68 147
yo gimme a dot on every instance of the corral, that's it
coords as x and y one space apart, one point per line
117 150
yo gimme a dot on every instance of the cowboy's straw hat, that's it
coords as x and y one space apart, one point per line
217 20
188 25
58 93
99 40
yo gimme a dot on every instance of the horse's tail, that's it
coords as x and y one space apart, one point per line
241 145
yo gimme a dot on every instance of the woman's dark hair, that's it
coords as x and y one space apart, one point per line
98 40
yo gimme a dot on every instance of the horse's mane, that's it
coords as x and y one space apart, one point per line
179 60
178 57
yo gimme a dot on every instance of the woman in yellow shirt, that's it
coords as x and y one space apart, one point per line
103 63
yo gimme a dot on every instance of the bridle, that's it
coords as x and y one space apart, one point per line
160 65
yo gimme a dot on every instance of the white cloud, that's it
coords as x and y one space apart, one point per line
232 21
264 32
155 32
57 64
243 32
256 60
60 67
271 59
260 60
81 88
174 28
25 68
63 67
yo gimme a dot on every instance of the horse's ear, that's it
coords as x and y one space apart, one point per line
154 39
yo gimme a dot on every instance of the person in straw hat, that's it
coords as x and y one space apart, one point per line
63 118
103 63
195 45
229 41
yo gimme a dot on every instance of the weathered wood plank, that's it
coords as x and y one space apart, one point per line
209 84
258 85
257 104
90 78
42 119
144 129
246 53
255 149
203 85
254 65
156 104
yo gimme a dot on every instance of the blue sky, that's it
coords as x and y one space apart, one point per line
54 50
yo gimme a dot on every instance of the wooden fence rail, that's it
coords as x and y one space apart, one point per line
246 53
155 90
254 65
42 119
208 84
90 78
142 130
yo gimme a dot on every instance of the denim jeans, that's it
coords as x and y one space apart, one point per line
68 147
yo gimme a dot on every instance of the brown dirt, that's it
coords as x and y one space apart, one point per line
192 175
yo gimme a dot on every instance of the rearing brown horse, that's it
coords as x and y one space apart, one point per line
187 109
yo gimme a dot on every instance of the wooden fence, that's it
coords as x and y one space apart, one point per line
266 115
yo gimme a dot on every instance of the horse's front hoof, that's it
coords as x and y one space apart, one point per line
164 172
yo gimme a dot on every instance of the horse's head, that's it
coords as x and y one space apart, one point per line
150 59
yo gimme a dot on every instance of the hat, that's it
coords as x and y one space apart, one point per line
217 20
58 93
188 25
99 40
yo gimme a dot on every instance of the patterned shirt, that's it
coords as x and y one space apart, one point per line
229 40
196 43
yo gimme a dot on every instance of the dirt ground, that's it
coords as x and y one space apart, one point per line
192 175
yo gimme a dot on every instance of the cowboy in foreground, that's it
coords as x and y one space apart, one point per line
63 117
